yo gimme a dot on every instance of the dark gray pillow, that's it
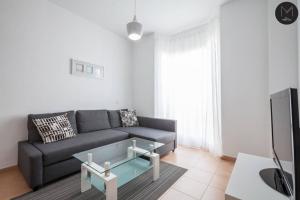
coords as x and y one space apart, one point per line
92 120
33 134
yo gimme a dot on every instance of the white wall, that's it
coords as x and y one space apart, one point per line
283 52
143 76
259 57
244 74
37 41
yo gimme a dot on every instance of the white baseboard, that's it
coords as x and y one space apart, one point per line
7 164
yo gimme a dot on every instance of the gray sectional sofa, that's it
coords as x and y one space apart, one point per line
42 163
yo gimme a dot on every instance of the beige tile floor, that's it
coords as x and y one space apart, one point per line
206 178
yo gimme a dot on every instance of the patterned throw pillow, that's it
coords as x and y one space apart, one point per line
53 129
129 118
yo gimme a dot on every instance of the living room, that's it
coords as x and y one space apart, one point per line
148 99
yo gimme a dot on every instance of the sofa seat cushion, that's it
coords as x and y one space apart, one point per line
63 150
149 134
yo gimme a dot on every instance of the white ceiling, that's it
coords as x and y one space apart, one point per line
162 16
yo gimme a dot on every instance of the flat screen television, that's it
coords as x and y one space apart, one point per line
285 178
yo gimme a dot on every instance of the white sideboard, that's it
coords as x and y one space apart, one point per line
245 182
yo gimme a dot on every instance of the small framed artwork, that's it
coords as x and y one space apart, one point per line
99 72
79 67
89 69
85 69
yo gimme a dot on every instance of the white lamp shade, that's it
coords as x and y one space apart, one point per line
135 30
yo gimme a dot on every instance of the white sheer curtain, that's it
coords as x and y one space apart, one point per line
187 85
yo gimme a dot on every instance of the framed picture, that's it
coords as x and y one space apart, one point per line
89 69
79 67
85 69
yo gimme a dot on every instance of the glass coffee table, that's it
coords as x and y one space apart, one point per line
111 166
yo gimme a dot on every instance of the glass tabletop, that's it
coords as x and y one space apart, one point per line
116 154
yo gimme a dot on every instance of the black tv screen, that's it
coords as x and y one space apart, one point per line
285 135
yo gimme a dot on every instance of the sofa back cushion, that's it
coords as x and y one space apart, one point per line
92 120
114 118
33 134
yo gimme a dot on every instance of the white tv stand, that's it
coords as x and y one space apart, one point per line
245 182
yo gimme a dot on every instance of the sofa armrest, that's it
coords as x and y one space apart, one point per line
30 163
162 124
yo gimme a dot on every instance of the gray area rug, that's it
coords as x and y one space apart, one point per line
141 188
